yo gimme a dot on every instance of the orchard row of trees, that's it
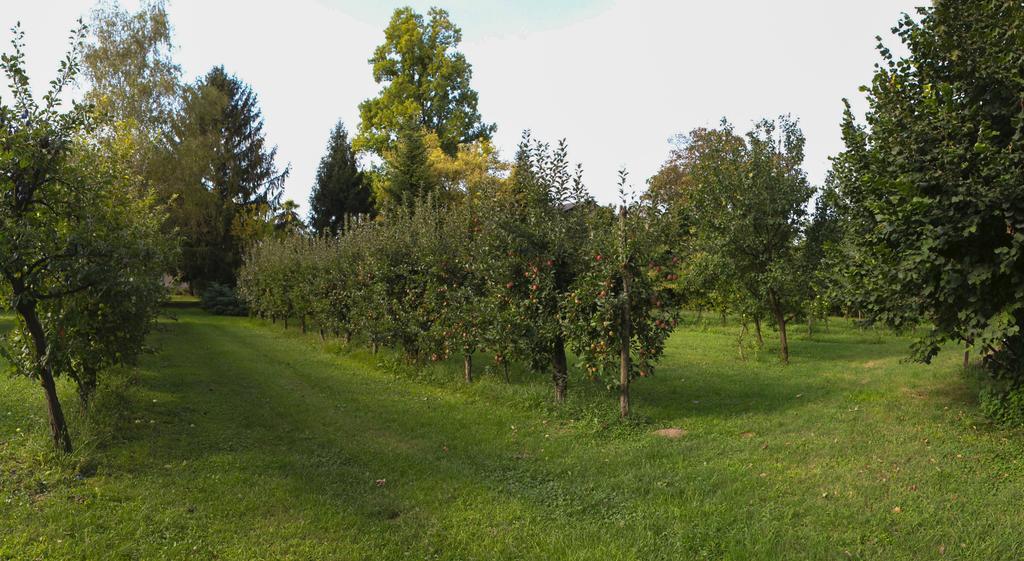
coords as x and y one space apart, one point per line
736 203
740 203
149 179
918 224
520 268
439 247
524 265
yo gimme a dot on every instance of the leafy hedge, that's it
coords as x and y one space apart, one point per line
520 269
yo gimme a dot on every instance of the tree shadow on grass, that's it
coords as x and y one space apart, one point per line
715 391
830 352
267 427
717 383
316 431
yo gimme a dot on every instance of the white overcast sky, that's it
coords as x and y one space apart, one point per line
616 78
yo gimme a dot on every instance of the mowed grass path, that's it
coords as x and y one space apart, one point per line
247 442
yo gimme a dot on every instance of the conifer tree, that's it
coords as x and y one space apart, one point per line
341 190
408 175
230 184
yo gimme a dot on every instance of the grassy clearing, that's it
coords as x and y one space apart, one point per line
244 441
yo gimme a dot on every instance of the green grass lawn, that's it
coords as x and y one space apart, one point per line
247 442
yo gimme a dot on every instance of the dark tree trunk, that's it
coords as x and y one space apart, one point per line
86 389
625 360
302 323
783 340
504 366
560 369
757 330
286 322
725 319
744 332
322 336
348 337
780 320
58 425
467 365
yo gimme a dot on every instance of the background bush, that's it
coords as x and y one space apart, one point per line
1005 407
222 300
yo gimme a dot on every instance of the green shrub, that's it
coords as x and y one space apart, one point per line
1005 407
222 300
110 407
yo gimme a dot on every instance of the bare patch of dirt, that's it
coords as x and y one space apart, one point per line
671 433
914 394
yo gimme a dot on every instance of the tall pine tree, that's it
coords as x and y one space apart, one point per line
341 190
230 184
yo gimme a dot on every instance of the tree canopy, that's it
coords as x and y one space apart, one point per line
426 81
132 76
407 175
746 199
931 181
